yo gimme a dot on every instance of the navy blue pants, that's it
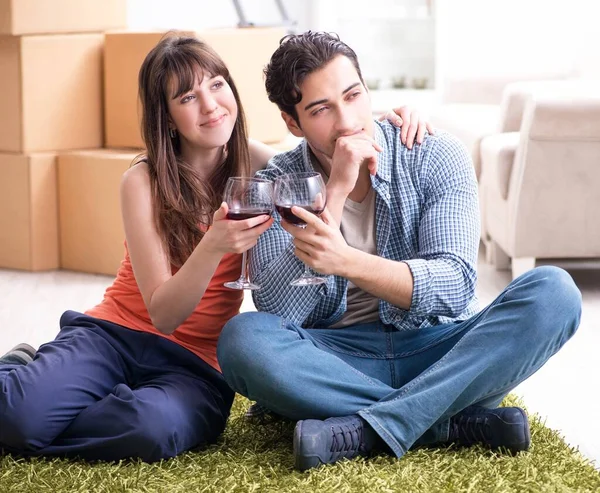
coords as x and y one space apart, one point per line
100 391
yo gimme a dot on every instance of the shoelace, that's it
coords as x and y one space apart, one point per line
347 440
469 430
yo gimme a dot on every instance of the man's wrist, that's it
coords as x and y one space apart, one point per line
337 195
351 259
336 188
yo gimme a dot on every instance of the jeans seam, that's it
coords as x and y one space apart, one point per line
553 351
385 435
434 367
360 354
424 348
366 377
391 359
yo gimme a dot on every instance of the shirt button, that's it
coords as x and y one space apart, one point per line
387 195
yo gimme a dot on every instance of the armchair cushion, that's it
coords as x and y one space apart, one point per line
497 159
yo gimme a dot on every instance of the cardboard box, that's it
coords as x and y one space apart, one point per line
28 212
91 228
61 16
50 92
245 51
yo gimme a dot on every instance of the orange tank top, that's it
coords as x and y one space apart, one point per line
123 305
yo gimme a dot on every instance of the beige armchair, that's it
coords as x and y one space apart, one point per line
542 184
475 108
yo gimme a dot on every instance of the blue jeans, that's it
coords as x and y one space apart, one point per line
100 391
405 384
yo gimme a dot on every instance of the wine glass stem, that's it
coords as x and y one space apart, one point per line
307 271
243 275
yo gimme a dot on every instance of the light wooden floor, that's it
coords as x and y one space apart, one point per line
564 391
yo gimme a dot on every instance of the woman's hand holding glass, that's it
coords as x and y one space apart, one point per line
241 219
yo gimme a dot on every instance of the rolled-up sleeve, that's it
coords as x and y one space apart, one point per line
444 270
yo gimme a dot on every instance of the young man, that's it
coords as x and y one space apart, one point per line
391 352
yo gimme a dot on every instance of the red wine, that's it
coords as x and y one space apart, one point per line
286 213
241 214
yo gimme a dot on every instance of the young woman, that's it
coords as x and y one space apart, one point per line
137 375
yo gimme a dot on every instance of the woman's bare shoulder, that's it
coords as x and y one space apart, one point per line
136 177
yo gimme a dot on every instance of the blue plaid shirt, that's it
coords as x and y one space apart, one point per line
427 215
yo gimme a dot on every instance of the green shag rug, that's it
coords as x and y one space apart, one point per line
258 458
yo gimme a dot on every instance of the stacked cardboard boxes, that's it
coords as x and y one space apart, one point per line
19 17
245 51
28 211
68 88
91 231
50 101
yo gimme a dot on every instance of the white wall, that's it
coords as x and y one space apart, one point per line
588 52
507 37
392 38
474 37
470 37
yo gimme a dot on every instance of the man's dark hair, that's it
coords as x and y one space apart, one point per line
298 56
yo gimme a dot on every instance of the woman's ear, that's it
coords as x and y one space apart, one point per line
172 127
292 125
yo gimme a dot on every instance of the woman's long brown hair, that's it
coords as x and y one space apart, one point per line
183 203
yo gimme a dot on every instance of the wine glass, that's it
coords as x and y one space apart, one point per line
305 190
247 197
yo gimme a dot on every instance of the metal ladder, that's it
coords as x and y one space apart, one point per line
285 19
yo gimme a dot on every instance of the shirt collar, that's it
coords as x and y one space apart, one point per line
383 163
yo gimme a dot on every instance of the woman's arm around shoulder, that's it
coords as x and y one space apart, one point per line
260 154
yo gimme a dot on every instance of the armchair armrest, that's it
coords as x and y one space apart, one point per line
569 116
517 94
497 158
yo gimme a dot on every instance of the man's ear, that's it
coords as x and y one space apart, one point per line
292 125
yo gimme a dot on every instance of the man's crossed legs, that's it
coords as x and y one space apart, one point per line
403 388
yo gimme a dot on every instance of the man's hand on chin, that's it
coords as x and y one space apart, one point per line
350 154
